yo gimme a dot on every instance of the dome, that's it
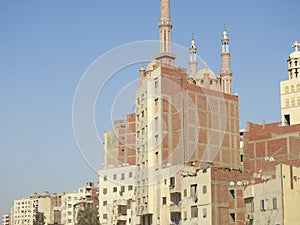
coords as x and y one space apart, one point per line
295 54
152 66
204 72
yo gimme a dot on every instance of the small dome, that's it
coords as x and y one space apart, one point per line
152 66
295 54
201 73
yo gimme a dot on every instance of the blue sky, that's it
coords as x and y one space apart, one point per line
46 46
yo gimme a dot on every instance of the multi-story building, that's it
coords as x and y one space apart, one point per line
267 145
116 196
24 210
274 201
181 119
6 219
119 143
290 90
71 203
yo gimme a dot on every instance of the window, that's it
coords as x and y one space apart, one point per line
122 176
298 101
263 205
293 102
287 103
130 188
232 215
172 182
204 212
69 206
287 89
184 192
156 84
104 216
164 200
232 193
185 215
194 211
292 88
104 191
204 189
156 101
298 87
122 188
194 192
104 203
130 174
275 203
115 176
115 189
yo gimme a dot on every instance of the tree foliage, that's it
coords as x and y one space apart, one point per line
39 219
88 216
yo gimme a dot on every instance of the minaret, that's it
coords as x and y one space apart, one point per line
226 74
165 30
193 58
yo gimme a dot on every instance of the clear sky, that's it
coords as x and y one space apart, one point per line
46 46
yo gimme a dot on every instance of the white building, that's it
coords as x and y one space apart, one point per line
290 90
5 219
24 210
274 201
72 202
116 196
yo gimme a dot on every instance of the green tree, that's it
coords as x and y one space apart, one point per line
88 216
39 219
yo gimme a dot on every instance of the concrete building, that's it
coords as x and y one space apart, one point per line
274 201
116 196
181 119
119 143
267 145
290 90
71 203
24 210
111 149
6 219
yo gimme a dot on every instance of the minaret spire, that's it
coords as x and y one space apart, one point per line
225 74
165 30
193 57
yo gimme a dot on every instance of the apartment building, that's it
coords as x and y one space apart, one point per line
24 210
71 203
274 201
6 219
116 196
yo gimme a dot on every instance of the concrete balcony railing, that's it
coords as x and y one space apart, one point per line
122 218
175 208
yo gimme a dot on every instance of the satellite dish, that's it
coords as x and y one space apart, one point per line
231 183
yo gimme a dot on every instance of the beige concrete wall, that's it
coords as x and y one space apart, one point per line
291 194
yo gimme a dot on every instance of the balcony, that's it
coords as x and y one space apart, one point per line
122 218
122 202
175 208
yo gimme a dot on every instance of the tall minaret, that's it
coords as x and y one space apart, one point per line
193 58
226 74
165 31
